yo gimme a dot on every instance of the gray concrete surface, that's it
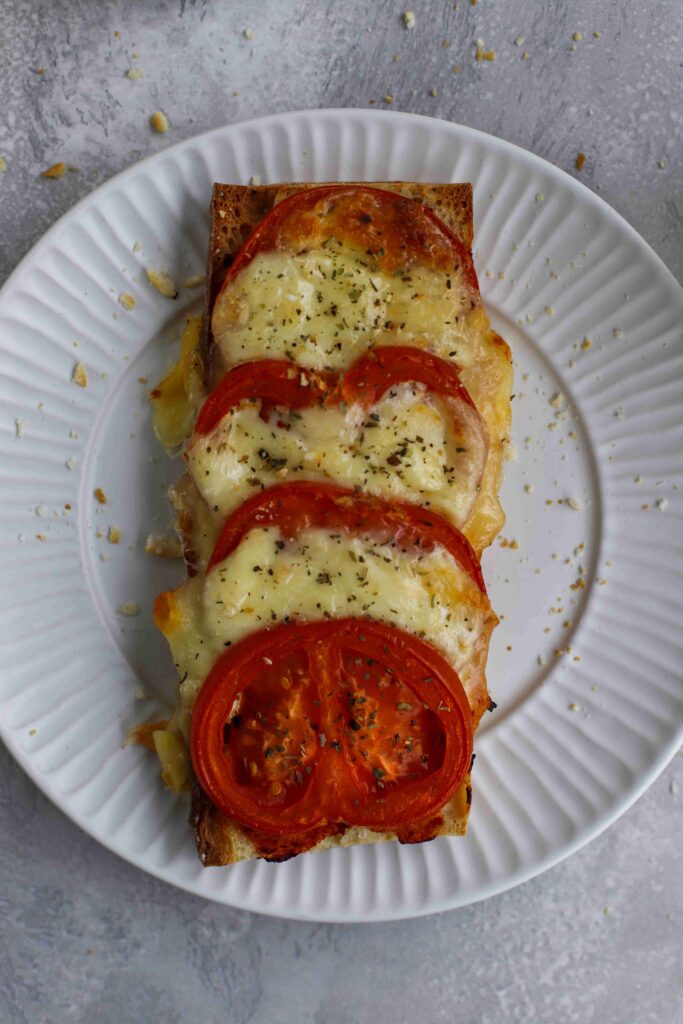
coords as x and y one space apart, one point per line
85 937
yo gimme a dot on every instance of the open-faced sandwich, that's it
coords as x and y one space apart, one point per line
342 410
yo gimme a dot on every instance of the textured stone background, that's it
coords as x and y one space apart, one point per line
85 937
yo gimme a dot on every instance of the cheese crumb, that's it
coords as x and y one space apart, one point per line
100 495
79 375
19 427
163 283
127 300
255 179
194 282
409 19
519 41
163 546
159 122
576 505
661 503
56 171
128 608
134 74
113 535
41 511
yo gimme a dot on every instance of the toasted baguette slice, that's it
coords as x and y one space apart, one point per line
235 212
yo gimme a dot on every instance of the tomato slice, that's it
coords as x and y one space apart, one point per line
395 230
270 381
294 507
279 382
306 728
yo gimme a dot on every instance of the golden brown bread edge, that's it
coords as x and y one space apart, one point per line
235 211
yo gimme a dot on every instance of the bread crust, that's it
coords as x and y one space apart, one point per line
235 212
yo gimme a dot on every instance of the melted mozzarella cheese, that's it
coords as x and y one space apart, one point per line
325 307
320 575
408 446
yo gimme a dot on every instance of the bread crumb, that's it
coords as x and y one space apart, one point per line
540 197
519 41
194 282
597 35
128 608
248 34
127 300
71 464
489 55
573 707
56 171
577 37
456 69
514 544
79 375
529 488
41 511
433 92
159 122
113 535
163 283
163 546
255 180
3 165
661 503
20 426
134 74
409 19
137 246
525 56
574 504
586 344
100 496
557 401
580 161
41 537
618 333
389 97
661 164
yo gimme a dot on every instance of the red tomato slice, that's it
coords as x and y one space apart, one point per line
306 728
270 381
278 383
294 507
395 230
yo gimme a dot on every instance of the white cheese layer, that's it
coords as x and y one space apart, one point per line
325 307
322 575
411 446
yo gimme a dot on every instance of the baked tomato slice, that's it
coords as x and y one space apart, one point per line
309 728
294 507
395 230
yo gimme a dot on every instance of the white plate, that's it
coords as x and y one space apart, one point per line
577 736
